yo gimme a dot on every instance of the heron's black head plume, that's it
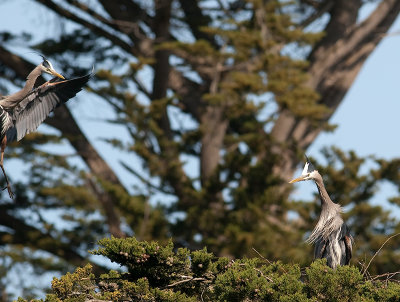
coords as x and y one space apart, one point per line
39 54
43 57
46 63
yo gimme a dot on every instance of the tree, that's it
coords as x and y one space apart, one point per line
258 82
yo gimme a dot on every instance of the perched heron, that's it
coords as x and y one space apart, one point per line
23 111
331 235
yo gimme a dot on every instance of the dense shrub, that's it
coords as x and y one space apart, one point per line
162 273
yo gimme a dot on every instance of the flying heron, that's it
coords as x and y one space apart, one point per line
23 111
331 235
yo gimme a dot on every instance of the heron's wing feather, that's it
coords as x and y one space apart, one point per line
37 105
349 249
320 248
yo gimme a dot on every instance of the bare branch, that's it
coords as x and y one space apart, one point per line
126 16
320 10
189 279
142 179
96 29
387 275
377 252
196 19
261 256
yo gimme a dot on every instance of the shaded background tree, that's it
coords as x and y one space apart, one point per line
219 100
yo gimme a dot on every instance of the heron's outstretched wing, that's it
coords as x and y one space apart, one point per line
37 105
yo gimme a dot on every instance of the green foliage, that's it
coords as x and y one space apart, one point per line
251 280
79 284
146 259
160 273
333 285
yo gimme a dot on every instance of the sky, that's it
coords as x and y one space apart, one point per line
367 119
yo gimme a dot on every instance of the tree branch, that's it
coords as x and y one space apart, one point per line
93 13
96 29
195 18
126 15
320 10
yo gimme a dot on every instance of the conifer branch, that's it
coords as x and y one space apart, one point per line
142 179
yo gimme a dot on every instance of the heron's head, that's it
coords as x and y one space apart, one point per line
309 172
48 68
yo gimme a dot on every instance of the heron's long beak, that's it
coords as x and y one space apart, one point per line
297 179
56 74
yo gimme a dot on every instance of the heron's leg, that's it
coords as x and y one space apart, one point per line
3 147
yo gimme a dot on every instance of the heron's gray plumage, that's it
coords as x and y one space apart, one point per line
23 111
5 120
331 235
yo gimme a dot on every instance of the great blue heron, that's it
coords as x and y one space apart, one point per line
23 111
331 235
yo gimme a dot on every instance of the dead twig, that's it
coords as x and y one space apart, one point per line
387 275
377 252
362 264
186 280
266 277
261 256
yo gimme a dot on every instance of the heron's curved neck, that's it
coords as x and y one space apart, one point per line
31 78
325 199
12 100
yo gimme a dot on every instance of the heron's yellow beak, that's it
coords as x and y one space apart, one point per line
56 74
297 179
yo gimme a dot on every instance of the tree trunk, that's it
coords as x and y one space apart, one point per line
334 65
